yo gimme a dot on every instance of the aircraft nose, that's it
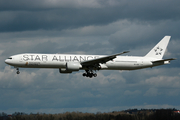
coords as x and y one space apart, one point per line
6 61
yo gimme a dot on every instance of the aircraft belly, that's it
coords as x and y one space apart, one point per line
127 65
120 66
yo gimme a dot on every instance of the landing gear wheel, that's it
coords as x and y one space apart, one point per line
89 73
95 75
84 74
17 71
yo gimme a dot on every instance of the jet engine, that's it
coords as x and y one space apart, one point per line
70 67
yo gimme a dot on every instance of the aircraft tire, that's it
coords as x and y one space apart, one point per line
95 75
84 74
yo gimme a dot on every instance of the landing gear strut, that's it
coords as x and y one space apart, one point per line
89 73
17 71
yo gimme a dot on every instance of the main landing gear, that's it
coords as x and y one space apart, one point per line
17 71
89 74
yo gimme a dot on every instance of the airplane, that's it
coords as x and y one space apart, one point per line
68 63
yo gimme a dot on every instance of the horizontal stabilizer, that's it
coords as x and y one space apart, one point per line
164 60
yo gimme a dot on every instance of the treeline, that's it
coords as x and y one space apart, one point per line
160 114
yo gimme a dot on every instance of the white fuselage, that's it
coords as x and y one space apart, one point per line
29 60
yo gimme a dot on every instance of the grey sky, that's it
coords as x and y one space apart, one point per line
88 27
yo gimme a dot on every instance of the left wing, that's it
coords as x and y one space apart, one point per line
102 59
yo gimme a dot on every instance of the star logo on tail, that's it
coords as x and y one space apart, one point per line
158 50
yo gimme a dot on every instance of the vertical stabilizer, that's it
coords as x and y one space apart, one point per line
159 50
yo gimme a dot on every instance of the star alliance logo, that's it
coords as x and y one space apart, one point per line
158 50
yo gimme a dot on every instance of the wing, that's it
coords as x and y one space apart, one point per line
102 59
164 60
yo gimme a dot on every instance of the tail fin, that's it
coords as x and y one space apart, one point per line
159 50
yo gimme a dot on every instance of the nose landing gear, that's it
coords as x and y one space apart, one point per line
18 72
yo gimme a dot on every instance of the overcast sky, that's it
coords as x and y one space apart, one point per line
88 27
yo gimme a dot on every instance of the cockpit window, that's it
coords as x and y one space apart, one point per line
10 58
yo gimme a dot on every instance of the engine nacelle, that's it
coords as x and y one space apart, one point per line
102 66
63 70
73 66
70 67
